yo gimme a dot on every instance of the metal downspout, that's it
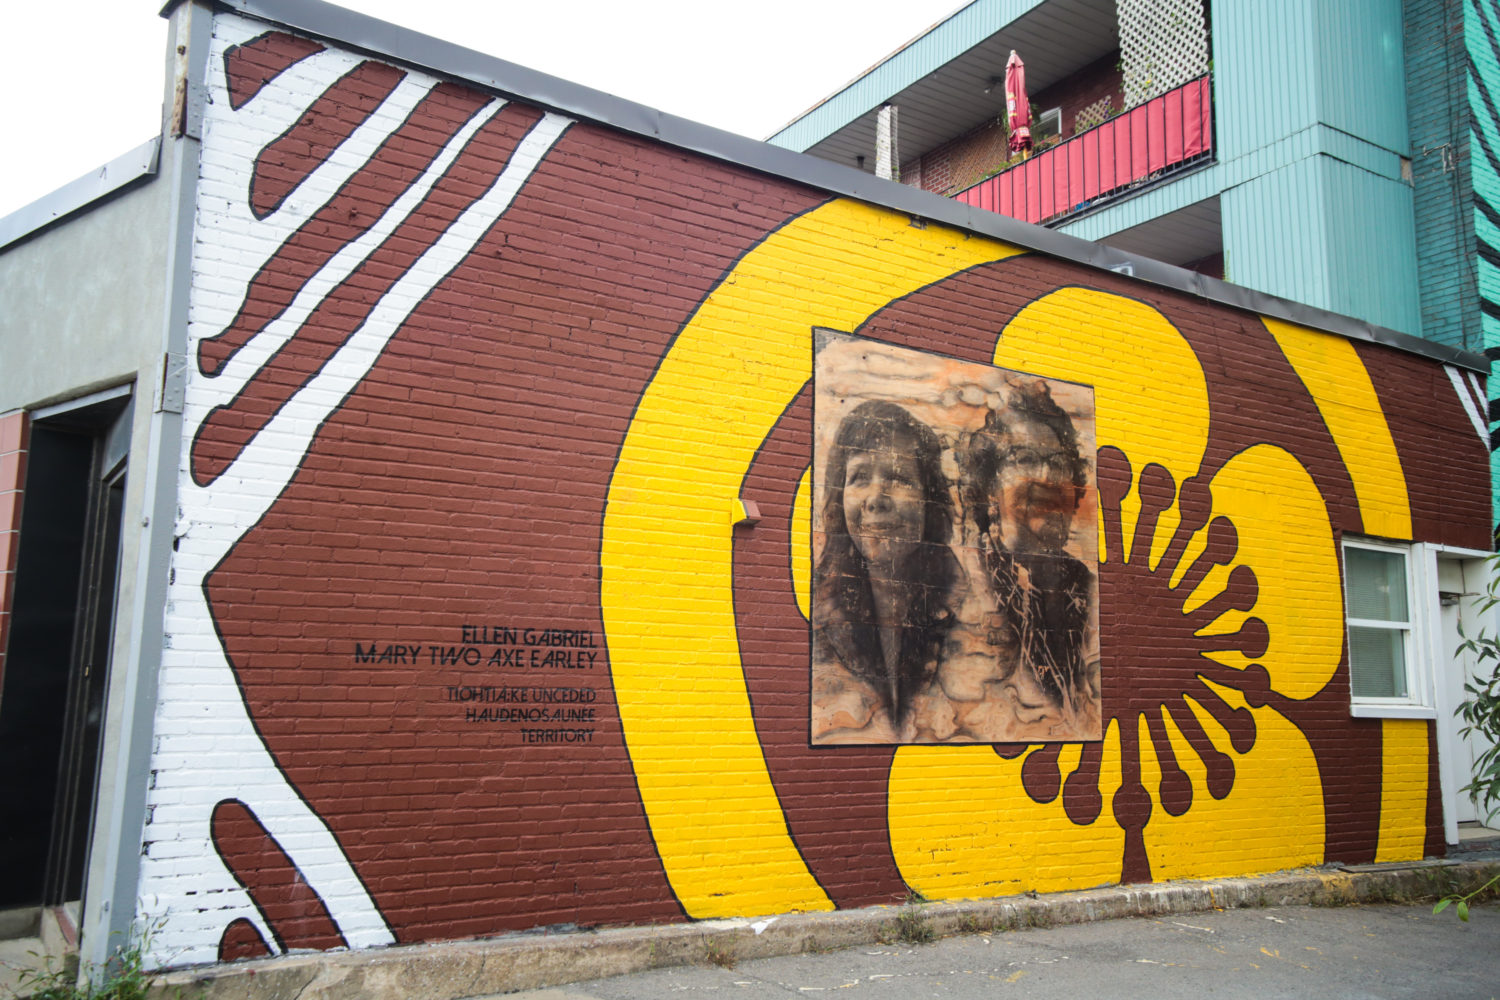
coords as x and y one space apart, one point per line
113 881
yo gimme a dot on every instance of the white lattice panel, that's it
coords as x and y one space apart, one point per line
1093 114
1163 44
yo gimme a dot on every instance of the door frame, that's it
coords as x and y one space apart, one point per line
1429 600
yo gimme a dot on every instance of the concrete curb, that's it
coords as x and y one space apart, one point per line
471 969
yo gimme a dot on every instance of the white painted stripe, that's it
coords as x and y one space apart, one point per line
276 106
206 747
1480 400
1469 407
279 447
244 243
260 348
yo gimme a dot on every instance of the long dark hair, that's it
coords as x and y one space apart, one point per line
843 604
1050 618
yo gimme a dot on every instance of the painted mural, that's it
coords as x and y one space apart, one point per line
466 634
1481 29
954 596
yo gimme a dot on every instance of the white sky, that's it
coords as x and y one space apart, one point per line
83 82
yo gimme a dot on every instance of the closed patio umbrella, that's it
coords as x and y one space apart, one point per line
1017 104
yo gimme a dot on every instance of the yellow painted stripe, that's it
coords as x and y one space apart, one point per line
1330 368
801 568
666 573
1403 789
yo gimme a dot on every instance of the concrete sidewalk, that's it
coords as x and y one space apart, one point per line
1389 951
479 968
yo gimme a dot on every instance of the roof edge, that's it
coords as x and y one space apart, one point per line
77 195
344 27
854 81
918 58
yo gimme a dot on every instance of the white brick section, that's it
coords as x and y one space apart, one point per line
887 144
206 748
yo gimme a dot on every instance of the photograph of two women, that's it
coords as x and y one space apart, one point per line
955 595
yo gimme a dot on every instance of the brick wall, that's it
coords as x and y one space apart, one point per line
465 637
966 160
960 162
1211 265
1099 79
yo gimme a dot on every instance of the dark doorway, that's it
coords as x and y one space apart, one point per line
57 661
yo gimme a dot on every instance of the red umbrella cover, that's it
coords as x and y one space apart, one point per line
1017 104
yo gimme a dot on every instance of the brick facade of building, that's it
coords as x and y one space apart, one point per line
501 561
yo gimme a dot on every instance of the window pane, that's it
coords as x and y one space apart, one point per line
1377 662
1377 584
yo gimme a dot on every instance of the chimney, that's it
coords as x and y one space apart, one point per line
887 155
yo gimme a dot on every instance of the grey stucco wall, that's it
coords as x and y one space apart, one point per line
81 302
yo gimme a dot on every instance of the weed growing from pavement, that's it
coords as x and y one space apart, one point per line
812 946
123 977
970 923
719 953
913 927
1038 917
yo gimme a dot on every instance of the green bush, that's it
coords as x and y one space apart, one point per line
1480 711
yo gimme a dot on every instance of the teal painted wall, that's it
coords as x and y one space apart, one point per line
1482 41
1274 234
1438 113
1372 246
1310 112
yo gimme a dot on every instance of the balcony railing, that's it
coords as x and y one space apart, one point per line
1165 134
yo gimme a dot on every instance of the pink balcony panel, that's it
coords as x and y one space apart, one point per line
1164 133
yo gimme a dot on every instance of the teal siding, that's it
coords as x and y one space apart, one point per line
1275 232
1311 124
1361 80
1327 233
1372 246
1262 51
1227 174
1283 65
955 36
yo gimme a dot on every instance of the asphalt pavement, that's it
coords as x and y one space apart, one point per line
1355 952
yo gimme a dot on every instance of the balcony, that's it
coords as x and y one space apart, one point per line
1167 134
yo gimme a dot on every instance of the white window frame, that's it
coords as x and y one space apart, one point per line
1417 632
1040 128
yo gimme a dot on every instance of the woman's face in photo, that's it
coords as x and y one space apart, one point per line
1035 496
883 504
